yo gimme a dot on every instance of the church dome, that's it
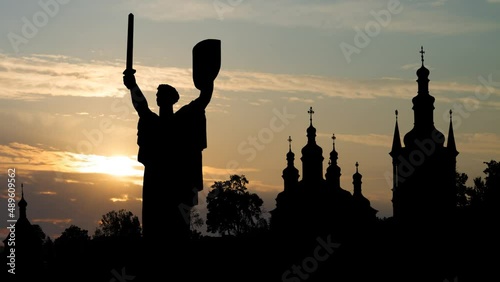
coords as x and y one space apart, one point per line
356 177
22 203
311 149
423 72
311 131
413 135
334 155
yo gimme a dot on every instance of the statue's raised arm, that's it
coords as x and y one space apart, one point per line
138 99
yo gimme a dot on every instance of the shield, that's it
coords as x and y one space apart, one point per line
206 61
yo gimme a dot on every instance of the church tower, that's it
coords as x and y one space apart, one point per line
333 171
396 150
424 169
356 181
364 213
312 157
22 206
290 173
28 245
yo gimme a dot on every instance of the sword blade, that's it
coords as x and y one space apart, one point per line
130 42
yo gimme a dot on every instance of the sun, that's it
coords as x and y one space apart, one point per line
112 165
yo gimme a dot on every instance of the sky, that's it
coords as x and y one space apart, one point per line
68 127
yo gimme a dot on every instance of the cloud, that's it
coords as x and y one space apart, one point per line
257 186
438 3
478 143
239 81
73 181
38 76
415 66
439 22
322 15
35 76
55 221
378 140
124 198
299 100
209 171
26 158
49 193
179 11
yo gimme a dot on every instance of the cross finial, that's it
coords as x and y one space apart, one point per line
310 112
289 143
357 166
333 138
422 52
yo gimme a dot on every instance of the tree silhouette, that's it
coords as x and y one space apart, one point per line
73 234
462 190
46 243
72 243
122 224
40 234
477 193
232 210
483 198
485 195
492 183
196 223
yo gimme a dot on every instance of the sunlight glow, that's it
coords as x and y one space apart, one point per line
115 165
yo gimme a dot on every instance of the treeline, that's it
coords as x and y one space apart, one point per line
243 247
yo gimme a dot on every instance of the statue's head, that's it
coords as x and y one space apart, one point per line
166 95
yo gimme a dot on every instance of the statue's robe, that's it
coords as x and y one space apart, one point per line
171 151
154 189
191 129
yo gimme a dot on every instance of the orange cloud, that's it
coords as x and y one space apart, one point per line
47 193
55 221
125 198
32 158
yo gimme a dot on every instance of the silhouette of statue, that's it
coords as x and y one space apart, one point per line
171 145
170 148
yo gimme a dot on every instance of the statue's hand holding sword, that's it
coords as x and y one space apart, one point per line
129 78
